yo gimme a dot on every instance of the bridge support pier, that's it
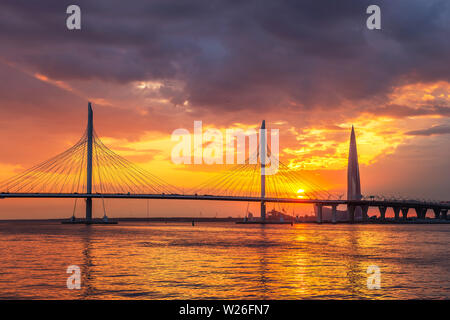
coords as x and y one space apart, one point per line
396 213
437 213
424 213
418 212
88 209
444 214
333 213
405 213
365 209
351 213
421 212
263 210
382 212
319 213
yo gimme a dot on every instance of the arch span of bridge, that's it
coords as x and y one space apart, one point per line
91 170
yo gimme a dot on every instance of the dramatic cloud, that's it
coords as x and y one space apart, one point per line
398 111
235 55
435 130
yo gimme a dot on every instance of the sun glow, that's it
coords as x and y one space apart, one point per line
300 193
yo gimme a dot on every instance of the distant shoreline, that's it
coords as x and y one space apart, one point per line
124 219
231 219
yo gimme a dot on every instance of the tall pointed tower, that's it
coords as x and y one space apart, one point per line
353 180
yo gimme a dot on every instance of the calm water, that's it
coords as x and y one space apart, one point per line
223 260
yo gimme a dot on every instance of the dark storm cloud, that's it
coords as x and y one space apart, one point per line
435 130
232 55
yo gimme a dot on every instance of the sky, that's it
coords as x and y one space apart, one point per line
311 69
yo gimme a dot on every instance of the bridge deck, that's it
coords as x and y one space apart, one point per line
371 203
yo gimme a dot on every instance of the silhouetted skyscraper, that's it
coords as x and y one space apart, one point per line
353 180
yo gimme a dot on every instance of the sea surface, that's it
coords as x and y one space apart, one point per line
157 260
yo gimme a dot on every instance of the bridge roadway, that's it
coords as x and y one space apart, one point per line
354 203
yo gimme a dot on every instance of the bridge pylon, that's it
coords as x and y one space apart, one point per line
262 158
90 130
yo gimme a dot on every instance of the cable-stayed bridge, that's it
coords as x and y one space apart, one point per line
90 170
